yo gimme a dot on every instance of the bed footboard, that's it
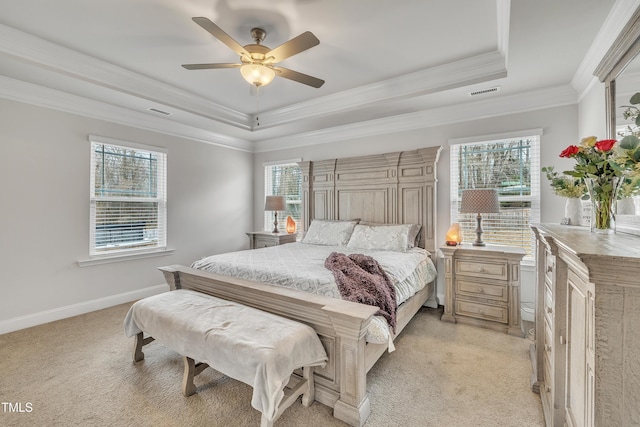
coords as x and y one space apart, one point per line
341 326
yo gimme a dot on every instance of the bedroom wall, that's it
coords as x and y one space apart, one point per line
44 181
560 129
592 112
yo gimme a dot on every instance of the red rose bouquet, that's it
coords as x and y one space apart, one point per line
602 165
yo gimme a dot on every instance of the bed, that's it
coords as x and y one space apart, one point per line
392 188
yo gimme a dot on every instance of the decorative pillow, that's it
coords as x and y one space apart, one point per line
381 237
330 233
414 234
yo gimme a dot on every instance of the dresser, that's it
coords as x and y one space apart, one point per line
263 239
586 356
482 286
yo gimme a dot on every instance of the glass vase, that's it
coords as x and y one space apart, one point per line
603 193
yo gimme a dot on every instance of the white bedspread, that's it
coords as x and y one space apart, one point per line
301 266
249 345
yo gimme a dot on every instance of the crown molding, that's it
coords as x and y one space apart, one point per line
62 60
497 106
29 93
476 69
585 75
50 98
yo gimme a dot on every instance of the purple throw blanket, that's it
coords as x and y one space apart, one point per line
361 279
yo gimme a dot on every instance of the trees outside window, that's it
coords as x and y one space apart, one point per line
284 179
511 166
128 198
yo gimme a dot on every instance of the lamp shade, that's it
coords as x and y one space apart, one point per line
480 201
257 74
274 203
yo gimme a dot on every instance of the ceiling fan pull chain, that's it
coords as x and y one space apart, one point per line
258 105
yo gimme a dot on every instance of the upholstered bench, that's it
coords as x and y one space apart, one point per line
249 345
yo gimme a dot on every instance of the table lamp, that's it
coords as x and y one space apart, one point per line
275 204
480 201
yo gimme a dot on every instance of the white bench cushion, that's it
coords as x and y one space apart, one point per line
249 345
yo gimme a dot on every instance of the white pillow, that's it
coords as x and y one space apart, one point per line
414 233
381 237
331 233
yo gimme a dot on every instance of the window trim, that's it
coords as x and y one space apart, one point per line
535 166
268 223
131 253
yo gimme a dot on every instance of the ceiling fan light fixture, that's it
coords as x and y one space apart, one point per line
257 74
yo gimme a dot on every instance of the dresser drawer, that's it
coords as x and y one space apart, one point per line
476 289
548 374
491 270
548 339
549 265
548 305
482 311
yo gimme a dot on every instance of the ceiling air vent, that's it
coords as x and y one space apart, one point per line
484 91
155 110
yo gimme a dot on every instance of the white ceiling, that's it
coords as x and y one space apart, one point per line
386 63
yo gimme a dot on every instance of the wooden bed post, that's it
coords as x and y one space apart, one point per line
172 276
353 407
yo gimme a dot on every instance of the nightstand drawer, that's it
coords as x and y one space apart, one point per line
263 243
490 270
264 239
482 290
482 311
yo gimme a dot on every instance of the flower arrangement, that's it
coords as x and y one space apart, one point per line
594 159
563 185
630 187
603 166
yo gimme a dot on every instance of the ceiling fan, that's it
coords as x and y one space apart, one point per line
258 61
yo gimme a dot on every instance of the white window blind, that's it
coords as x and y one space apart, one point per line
284 179
128 197
511 165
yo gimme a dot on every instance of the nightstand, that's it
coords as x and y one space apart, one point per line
482 286
262 239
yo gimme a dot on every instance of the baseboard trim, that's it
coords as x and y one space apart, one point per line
35 319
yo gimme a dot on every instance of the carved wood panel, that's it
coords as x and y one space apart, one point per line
393 188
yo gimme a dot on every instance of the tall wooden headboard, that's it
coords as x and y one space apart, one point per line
397 188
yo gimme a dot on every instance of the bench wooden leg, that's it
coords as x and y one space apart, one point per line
309 395
304 387
191 369
140 341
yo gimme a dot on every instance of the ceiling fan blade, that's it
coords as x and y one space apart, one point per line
299 77
294 46
209 66
218 33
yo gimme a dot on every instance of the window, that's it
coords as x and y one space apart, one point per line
128 197
511 165
284 179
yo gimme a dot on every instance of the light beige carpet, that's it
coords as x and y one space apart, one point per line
79 372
